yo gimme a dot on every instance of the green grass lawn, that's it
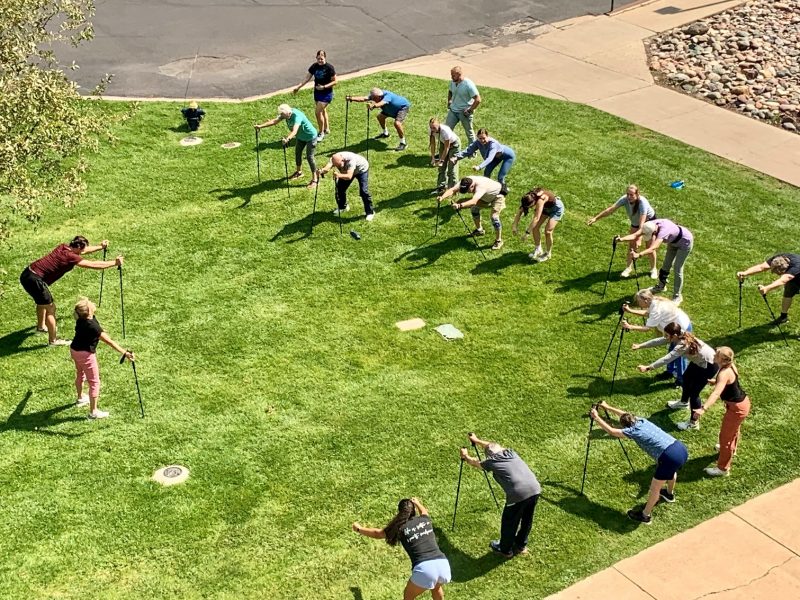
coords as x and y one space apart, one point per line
271 367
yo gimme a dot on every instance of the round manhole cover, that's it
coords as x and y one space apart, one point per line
171 475
231 145
191 141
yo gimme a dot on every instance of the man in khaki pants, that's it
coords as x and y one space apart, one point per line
486 193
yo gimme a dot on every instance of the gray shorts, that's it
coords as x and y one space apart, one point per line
401 114
430 573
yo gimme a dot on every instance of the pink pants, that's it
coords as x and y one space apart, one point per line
735 414
86 369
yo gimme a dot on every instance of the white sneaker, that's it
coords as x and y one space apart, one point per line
320 136
677 299
627 272
654 274
82 401
544 257
345 209
370 216
689 425
60 342
98 414
537 252
716 472
677 404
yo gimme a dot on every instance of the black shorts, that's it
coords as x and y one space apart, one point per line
791 287
36 287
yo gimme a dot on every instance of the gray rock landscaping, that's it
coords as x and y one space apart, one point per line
746 59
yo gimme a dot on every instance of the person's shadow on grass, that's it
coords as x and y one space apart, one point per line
409 197
598 386
416 161
38 422
497 264
11 343
357 595
246 193
602 310
463 566
589 282
430 253
750 336
585 508
303 226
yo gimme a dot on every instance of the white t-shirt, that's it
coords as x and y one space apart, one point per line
446 134
664 312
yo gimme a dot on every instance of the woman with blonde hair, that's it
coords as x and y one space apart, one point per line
737 407
659 312
83 351
413 528
701 369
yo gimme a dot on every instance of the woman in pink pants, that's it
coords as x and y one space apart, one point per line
84 345
737 407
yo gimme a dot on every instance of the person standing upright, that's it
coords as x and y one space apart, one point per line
324 79
444 145
463 100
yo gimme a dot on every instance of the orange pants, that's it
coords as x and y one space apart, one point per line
735 413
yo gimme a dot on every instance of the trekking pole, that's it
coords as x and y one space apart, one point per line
314 210
741 282
458 491
346 119
121 300
772 314
616 362
367 132
258 157
611 341
610 263
136 380
103 276
586 458
486 475
286 168
635 275
336 200
469 234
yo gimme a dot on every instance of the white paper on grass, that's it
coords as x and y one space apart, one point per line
449 332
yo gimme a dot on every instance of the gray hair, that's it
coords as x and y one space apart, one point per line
779 265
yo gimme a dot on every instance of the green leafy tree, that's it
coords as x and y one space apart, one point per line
46 128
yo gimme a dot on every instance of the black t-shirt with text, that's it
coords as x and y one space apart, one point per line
323 74
419 541
87 334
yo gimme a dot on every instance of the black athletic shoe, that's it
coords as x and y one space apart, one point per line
639 517
666 496
495 547
381 136
781 319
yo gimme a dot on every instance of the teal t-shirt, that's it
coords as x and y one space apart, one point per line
307 131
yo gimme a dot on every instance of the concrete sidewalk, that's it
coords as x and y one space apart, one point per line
601 61
751 551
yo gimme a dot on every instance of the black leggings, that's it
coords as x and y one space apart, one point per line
694 380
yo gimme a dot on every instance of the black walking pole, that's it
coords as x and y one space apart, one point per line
486 475
346 119
611 341
136 380
258 157
610 262
588 443
635 275
121 300
436 228
616 362
314 210
772 314
458 491
336 200
469 233
741 282
286 168
103 276
367 131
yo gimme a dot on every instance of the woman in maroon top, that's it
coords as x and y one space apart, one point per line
44 272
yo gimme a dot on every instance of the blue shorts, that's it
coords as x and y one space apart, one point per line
430 573
671 460
325 96
555 212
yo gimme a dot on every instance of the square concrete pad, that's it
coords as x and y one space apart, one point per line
605 585
720 554
410 324
776 515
